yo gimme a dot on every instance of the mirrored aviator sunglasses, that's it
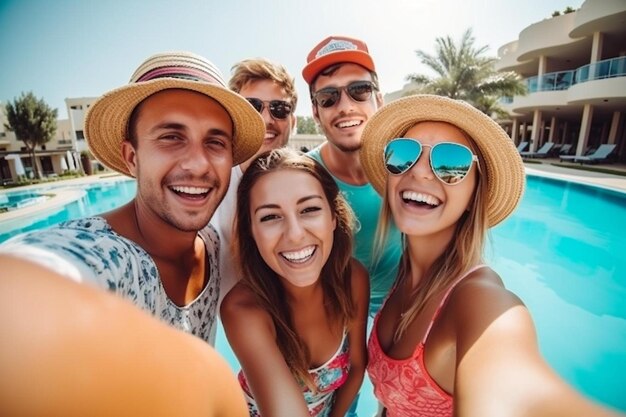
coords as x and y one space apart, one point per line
279 109
450 162
358 91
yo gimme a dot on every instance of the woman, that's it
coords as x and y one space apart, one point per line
450 338
296 320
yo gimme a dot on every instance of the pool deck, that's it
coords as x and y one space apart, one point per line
602 180
608 181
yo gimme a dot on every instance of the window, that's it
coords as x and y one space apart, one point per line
80 135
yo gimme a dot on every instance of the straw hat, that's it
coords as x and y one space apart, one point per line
333 50
106 124
501 164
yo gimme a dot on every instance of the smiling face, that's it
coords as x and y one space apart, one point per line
422 205
292 225
344 122
277 130
182 157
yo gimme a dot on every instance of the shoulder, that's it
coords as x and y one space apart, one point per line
481 302
241 306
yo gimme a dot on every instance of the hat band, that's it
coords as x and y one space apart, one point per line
184 73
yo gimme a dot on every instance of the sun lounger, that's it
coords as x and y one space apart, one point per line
565 149
541 153
600 155
522 146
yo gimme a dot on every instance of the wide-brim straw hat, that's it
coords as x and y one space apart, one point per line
501 165
106 124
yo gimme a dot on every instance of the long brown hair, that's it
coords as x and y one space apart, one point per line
263 281
464 251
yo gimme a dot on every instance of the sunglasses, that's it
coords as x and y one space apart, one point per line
450 162
279 109
358 91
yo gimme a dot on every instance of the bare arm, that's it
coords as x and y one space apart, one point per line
500 371
358 350
251 334
69 349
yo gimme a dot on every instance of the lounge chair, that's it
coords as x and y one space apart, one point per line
541 153
600 155
565 149
522 146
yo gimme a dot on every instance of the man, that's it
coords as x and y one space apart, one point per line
272 92
344 92
178 130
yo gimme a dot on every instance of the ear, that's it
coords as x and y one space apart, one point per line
129 154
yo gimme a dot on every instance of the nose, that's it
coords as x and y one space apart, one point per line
294 229
266 115
196 159
422 168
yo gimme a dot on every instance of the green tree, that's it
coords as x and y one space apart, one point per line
307 125
33 122
465 73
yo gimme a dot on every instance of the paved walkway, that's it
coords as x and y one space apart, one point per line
609 181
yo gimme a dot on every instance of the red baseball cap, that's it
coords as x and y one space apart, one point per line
333 50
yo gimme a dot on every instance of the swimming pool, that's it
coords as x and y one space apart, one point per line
562 253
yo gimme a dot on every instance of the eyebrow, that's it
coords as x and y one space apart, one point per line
182 127
276 206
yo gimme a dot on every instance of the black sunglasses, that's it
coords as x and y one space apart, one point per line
357 90
279 109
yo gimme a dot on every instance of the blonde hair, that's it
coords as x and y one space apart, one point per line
464 251
335 276
259 69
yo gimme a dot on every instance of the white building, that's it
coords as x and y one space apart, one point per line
59 155
574 66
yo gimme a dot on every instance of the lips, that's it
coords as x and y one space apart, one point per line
349 123
191 192
420 199
300 256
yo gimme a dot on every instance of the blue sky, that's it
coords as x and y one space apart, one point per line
83 48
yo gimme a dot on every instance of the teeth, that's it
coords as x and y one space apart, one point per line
190 190
421 198
299 256
269 135
349 123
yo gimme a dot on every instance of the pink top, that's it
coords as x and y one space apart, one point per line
404 386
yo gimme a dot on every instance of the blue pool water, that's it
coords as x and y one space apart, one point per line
562 252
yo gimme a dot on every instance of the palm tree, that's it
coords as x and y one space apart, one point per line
465 73
33 122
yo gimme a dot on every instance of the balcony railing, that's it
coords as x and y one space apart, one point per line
609 68
555 81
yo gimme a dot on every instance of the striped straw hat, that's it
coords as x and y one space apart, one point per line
106 124
501 165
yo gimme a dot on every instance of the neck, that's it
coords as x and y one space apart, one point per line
158 238
344 165
424 251
300 296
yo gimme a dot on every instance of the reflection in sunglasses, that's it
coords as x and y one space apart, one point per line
449 161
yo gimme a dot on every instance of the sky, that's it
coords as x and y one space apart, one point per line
62 49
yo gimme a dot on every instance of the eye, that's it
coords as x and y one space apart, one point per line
311 209
268 217
216 143
170 137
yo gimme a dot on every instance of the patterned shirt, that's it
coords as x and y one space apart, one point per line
90 250
327 378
